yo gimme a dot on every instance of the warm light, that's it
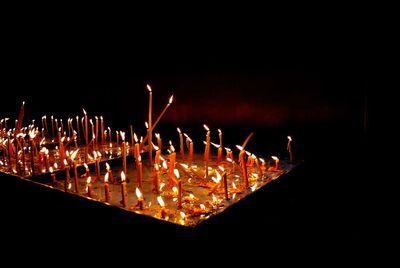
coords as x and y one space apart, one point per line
89 179
146 124
191 196
135 137
162 186
221 168
253 156
157 135
51 169
262 160
172 148
107 167
164 164
216 145
91 121
86 166
55 166
229 160
160 201
239 147
171 99
178 130
176 172
69 186
289 138
253 188
184 165
183 216
275 158
219 131
106 178
248 153
206 127
122 135
203 207
83 112
122 176
234 185
218 176
65 162
174 189
155 146
139 193
148 87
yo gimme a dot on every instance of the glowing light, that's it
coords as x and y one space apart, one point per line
139 193
160 201
206 127
179 131
202 207
182 214
176 172
89 180
289 138
123 176
148 87
171 99
106 178
275 158
107 167
239 147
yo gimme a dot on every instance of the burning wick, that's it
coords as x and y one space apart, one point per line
123 189
140 199
89 186
106 188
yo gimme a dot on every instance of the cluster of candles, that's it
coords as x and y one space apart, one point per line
30 151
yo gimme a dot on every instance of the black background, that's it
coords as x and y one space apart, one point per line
304 76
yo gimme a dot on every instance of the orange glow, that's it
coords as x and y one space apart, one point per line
221 168
171 99
219 131
55 166
148 87
89 179
184 166
65 162
135 137
160 201
51 170
146 124
239 147
219 177
69 186
155 147
174 189
157 135
203 207
106 178
206 127
123 176
178 129
83 112
289 138
275 158
140 158
122 135
91 121
164 164
216 145
182 214
107 167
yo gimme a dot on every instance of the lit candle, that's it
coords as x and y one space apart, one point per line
150 129
75 166
158 119
67 178
139 171
45 124
158 154
52 127
156 179
97 156
136 151
93 133
97 128
56 124
102 129
77 127
117 138
140 199
106 188
163 212
32 137
260 172
242 162
172 159
276 162
190 150
207 148
53 177
109 172
123 151
219 152
62 126
181 147
123 189
86 136
289 147
225 180
89 186
109 134
220 137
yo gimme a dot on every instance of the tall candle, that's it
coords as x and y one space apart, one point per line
177 176
123 189
158 154
156 178
56 124
97 158
225 180
220 137
123 152
136 151
207 149
93 133
86 136
52 127
62 126
97 128
276 162
67 178
181 147
106 189
109 172
77 127
139 171
102 129
150 130
46 127
172 159
289 147
32 154
76 181
53 176
242 161
159 143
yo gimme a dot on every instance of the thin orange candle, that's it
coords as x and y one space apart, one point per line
156 178
67 177
159 142
150 129
75 166
177 176
102 129
242 162
123 151
163 212
97 127
140 172
289 147
86 136
53 177
207 149
181 147
89 186
77 127
97 156
106 188
123 189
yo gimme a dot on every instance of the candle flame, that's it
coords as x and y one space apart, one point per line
172 148
155 146
239 147
174 189
55 166
176 172
253 188
202 207
221 168
216 145
146 124
106 178
171 99
69 186
122 176
65 162
215 180
262 160
289 138
83 112
89 180
77 118
184 165
164 164
96 117
51 170
107 166
160 201
182 214
135 137
156 167
229 160
162 186
248 153
86 166
228 149
275 158
148 87
122 135
206 127
91 121
178 129
234 185
191 196
139 193
253 156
